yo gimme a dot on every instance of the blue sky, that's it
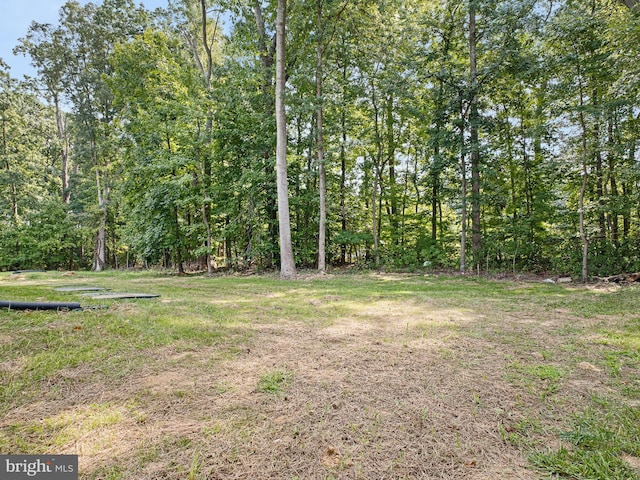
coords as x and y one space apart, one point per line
17 15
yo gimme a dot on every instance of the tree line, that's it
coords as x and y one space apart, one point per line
480 135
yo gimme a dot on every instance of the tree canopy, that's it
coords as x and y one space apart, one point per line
477 135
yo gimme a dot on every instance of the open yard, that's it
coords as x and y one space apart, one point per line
353 376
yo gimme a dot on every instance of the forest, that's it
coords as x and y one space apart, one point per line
476 136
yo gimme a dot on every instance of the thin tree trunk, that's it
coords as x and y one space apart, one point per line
322 227
374 216
343 165
416 186
207 73
267 52
178 241
100 257
343 185
391 153
538 154
100 261
583 234
613 186
287 263
378 168
207 225
61 131
627 188
602 225
463 195
476 236
435 189
403 210
583 189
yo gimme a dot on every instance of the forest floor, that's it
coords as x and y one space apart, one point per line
360 376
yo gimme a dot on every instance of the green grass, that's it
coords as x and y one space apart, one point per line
598 438
274 382
542 379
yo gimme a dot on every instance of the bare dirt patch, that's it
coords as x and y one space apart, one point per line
634 462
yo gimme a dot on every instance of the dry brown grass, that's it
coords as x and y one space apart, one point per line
396 389
368 401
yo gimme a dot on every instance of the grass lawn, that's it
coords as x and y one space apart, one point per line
353 376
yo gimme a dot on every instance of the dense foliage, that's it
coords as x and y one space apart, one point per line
479 135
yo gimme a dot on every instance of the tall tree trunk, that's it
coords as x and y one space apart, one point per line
322 227
627 186
228 243
602 225
378 167
343 185
391 154
343 165
463 195
267 53
626 215
403 210
375 214
583 233
99 263
435 189
207 72
287 263
435 172
61 131
414 178
538 153
476 236
100 256
178 240
583 189
613 185
207 226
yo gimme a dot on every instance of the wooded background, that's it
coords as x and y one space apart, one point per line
477 135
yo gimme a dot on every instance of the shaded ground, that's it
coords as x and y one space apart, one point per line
390 386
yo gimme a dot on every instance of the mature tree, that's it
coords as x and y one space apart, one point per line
327 18
50 56
158 91
9 121
287 262
266 44
201 34
37 230
90 34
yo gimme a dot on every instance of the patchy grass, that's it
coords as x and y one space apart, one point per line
274 382
334 376
603 442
